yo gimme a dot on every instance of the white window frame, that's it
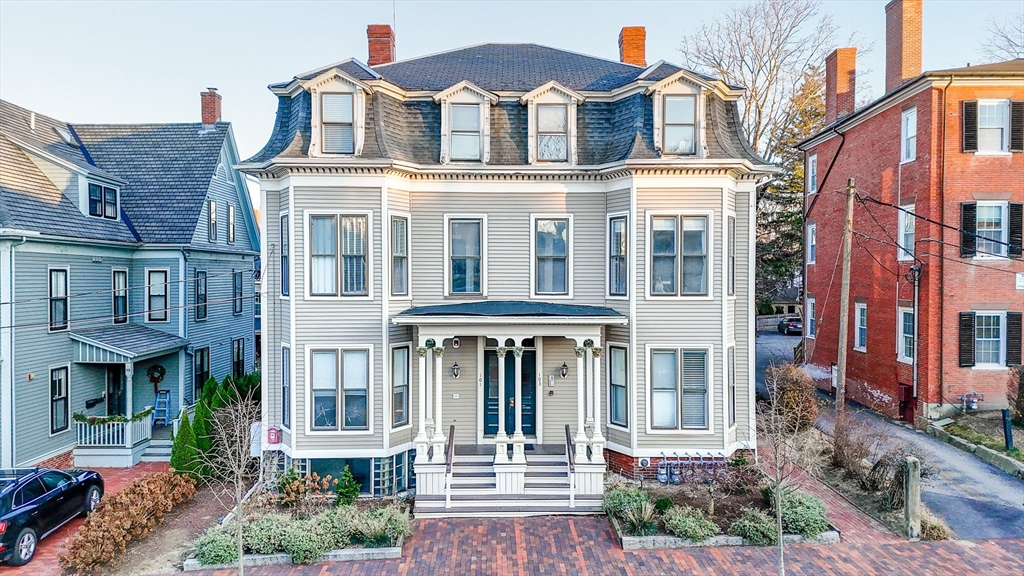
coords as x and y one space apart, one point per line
339 256
1004 149
730 255
677 85
231 223
452 131
624 216
812 242
570 248
392 216
906 253
710 386
731 391
900 334
167 296
1000 363
206 295
696 124
465 93
284 223
103 201
483 255
67 405
308 416
67 298
1004 207
408 345
812 174
113 296
212 220
551 93
908 121
241 372
858 329
709 255
628 385
287 389
810 320
336 82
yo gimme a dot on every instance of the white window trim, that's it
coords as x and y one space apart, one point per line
307 280
812 175
907 154
1005 238
336 82
608 384
808 314
552 93
231 224
212 221
167 296
67 292
680 86
49 400
1005 147
291 258
709 398
113 295
484 257
709 255
291 387
195 296
812 233
900 310
568 257
730 372
117 201
390 387
732 273
607 256
465 92
1001 364
857 307
392 214
308 386
902 252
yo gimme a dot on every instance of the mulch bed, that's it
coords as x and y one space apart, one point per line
727 508
868 503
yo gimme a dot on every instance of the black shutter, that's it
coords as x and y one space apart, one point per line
1017 126
1016 229
969 134
968 229
967 338
1013 338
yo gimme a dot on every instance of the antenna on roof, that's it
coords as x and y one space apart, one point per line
394 24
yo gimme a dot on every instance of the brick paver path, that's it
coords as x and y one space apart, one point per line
45 561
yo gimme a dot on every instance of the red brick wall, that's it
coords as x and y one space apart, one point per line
633 45
381 40
210 107
840 83
629 466
902 42
61 461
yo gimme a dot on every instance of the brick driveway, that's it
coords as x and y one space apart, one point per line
45 561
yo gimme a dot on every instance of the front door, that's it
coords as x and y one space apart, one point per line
491 396
115 390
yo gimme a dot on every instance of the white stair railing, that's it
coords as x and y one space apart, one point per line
572 467
449 455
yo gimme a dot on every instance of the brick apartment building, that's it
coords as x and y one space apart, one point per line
940 152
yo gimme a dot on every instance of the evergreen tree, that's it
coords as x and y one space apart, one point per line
184 452
201 428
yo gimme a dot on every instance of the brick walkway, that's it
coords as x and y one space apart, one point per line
854 526
45 561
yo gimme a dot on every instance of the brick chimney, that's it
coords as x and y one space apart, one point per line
211 106
902 42
840 83
633 45
381 40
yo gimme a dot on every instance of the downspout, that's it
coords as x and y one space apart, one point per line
7 365
942 261
183 329
821 186
915 273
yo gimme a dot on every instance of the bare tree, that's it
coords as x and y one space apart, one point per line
786 449
1005 39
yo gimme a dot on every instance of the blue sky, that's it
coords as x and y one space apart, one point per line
148 61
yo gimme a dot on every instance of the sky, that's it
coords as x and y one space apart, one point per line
135 61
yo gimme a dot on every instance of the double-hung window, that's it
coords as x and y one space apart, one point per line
905 343
237 299
988 339
231 223
991 229
908 135
618 270
732 385
617 386
732 255
666 254
679 389
400 386
551 246
465 253
58 299
212 209
238 358
201 295
552 132
399 256
907 222
336 123
339 382
810 320
812 243
59 406
680 124
812 173
286 386
285 273
119 289
993 126
324 248
466 143
102 201
860 313
201 372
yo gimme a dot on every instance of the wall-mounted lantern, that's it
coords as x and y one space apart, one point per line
456 371
564 370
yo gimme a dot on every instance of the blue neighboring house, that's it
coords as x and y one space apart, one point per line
126 280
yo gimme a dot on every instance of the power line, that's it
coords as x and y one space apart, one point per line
942 224
959 260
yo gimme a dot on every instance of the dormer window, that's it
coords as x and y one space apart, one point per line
465 123
552 133
551 112
680 105
466 143
680 124
102 201
337 124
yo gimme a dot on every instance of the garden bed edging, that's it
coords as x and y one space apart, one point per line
1001 461
661 541
340 555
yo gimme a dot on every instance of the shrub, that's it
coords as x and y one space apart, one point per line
306 540
886 475
689 523
797 394
383 526
218 545
304 493
755 526
201 425
342 522
265 535
184 453
638 518
851 444
618 499
933 528
662 504
128 515
347 489
739 459
801 513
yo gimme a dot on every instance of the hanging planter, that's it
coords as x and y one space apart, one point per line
156 373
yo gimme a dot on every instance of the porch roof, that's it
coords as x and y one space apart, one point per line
510 311
123 343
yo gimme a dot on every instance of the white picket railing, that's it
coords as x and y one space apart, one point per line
115 434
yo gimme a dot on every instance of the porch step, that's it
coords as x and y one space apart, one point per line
507 511
164 442
532 473
460 474
157 452
504 498
547 463
546 486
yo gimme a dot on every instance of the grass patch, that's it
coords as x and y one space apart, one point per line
985 440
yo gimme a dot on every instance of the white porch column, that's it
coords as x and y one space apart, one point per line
589 346
518 440
428 368
581 439
421 441
129 373
501 438
597 438
439 439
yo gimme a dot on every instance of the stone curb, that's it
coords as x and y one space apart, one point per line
1001 461
663 541
342 555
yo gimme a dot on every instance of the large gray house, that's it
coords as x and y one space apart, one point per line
540 258
126 266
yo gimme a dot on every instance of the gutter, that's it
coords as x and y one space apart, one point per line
824 179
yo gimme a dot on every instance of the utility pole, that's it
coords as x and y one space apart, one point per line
844 299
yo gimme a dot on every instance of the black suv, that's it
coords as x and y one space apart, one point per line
35 502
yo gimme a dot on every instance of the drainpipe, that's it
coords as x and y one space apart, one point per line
942 261
7 369
915 276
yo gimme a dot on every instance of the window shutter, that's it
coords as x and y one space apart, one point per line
1016 229
1013 338
967 339
969 134
1017 126
968 229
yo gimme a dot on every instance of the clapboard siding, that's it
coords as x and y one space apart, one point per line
276 319
224 192
618 335
403 335
461 411
559 409
138 281
742 323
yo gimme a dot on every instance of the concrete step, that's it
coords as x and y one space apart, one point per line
546 485
155 458
461 475
543 473
547 463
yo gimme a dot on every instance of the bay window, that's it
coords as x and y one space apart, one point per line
324 250
58 301
399 256
339 382
156 295
617 387
666 255
119 288
400 386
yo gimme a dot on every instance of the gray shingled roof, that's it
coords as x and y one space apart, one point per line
510 308
168 168
135 339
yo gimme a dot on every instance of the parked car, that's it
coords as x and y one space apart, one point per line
793 325
35 502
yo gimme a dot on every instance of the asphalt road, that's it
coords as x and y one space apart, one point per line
772 348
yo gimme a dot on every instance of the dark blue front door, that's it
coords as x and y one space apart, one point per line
491 396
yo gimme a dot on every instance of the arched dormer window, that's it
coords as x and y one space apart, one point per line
338 114
679 112
465 123
551 114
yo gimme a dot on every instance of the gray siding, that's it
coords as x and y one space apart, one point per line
138 281
461 411
558 409
225 193
276 320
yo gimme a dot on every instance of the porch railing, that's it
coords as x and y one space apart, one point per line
114 434
572 467
449 456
